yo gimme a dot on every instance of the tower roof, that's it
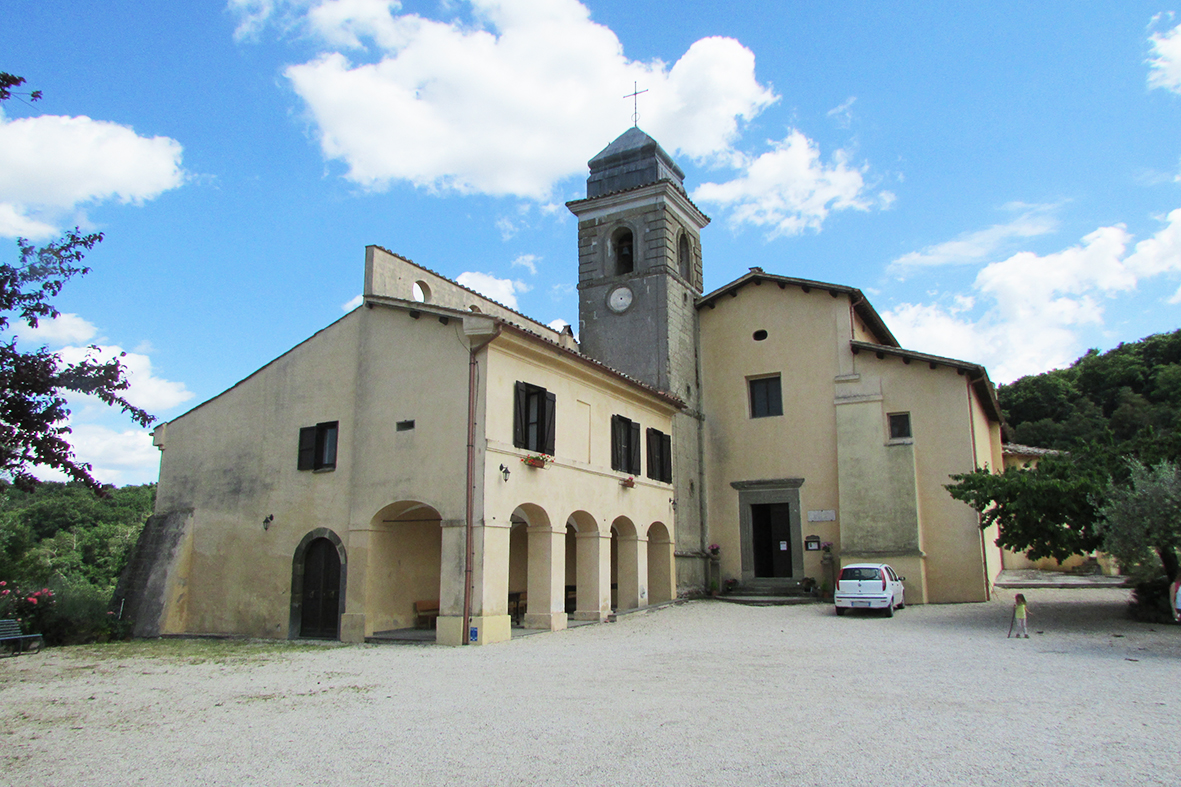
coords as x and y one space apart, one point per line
633 159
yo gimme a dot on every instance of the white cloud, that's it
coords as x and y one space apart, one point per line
353 303
51 165
1034 306
506 102
118 457
65 329
146 390
843 114
788 189
528 262
503 291
1165 64
558 324
506 227
975 246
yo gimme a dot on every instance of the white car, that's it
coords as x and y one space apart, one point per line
869 586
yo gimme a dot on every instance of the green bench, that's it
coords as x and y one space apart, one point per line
14 639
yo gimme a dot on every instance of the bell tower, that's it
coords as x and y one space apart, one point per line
639 275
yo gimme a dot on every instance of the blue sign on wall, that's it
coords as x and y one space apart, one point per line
474 634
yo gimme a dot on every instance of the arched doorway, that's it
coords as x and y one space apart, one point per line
661 587
629 566
317 586
404 566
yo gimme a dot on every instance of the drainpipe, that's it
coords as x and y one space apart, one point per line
975 464
468 554
469 557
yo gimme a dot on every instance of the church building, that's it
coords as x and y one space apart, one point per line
434 458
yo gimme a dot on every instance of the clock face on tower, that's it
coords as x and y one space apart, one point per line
619 299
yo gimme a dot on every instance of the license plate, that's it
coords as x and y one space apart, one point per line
861 603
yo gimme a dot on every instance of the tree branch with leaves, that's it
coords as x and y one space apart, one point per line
34 384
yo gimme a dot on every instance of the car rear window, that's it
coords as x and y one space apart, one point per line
861 573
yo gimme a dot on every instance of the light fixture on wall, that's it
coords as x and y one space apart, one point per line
266 523
504 471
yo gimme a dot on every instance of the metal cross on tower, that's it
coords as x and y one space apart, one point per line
635 103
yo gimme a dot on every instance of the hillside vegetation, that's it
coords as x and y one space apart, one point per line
1116 486
62 548
1124 402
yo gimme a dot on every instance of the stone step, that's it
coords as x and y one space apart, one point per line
768 601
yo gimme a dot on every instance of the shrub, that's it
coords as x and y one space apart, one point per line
30 608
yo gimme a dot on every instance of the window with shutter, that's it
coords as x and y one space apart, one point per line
625 445
534 418
317 446
660 460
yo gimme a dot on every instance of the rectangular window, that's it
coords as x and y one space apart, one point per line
660 456
766 398
625 445
317 446
899 426
534 410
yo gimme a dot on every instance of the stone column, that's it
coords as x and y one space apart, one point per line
594 576
633 572
546 607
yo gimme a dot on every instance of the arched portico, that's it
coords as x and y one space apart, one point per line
661 573
592 566
545 606
630 569
403 567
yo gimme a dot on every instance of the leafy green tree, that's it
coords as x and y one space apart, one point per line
34 384
1140 523
1046 511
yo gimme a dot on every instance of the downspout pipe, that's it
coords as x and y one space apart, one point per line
975 465
469 556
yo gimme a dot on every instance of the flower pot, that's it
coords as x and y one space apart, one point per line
534 461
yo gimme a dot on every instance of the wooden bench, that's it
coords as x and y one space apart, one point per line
426 614
14 639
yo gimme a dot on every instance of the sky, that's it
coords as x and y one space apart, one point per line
1002 180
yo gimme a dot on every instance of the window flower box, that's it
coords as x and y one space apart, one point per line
628 483
535 460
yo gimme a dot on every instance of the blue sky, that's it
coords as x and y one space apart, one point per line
1003 181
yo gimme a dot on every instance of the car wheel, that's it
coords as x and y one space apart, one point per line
840 611
890 608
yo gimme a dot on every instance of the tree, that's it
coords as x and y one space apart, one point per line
34 384
1141 522
1046 511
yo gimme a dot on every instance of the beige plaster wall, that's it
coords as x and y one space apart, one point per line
390 276
579 482
804 331
233 460
944 417
880 492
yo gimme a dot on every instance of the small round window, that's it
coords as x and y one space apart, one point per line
759 336
421 292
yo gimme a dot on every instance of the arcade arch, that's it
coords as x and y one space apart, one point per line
405 553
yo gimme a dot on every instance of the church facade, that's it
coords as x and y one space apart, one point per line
434 458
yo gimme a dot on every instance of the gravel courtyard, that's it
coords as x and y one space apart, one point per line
703 693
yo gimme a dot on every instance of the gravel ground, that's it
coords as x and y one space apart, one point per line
701 693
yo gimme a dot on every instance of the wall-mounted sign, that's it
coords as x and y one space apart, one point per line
782 546
826 515
812 543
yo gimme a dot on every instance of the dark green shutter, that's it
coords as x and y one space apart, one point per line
551 406
666 458
520 414
633 448
307 448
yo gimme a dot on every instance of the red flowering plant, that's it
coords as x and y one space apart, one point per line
28 608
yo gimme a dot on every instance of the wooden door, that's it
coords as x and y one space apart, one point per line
771 538
320 617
